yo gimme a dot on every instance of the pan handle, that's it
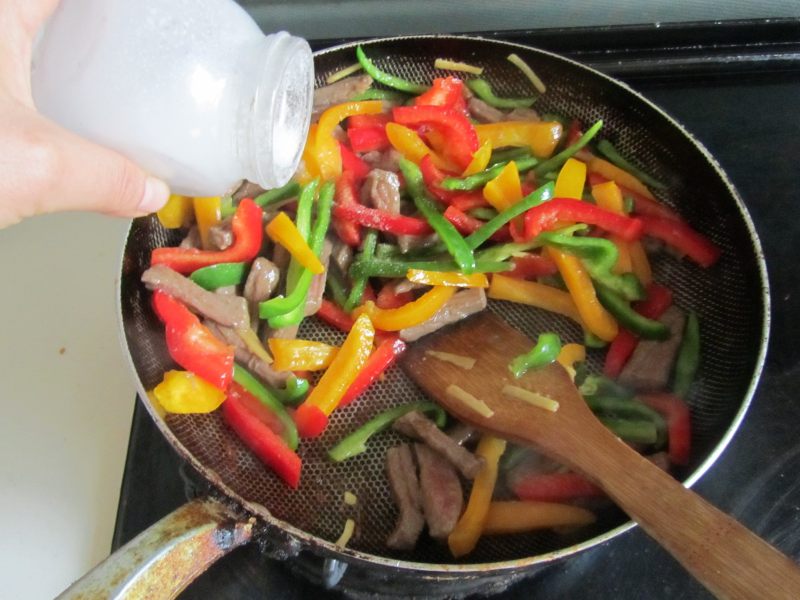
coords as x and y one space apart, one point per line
165 558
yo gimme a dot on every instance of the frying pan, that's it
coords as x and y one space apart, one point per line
731 299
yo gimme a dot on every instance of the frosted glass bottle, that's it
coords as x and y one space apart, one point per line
192 90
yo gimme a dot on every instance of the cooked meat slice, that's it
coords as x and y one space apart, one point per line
281 257
484 112
407 243
442 496
460 306
192 239
522 114
317 287
405 489
650 365
404 285
230 311
226 290
341 255
247 189
418 426
336 93
388 160
262 280
461 433
382 190
247 358
220 236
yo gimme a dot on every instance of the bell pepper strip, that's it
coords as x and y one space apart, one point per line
177 212
640 264
334 316
368 121
350 162
444 91
336 287
532 266
381 220
368 139
631 431
283 231
554 487
574 132
347 195
609 197
253 344
408 315
642 205
452 124
408 143
248 233
504 190
630 319
571 354
392 267
680 236
534 294
688 357
433 176
191 344
312 415
480 160
483 213
207 213
385 78
301 355
381 94
483 90
634 412
676 414
620 176
600 385
559 159
294 393
455 244
540 136
571 179
509 516
356 442
465 224
309 165
509 250
241 412
452 278
607 149
287 428
389 297
326 146
385 355
561 210
220 275
480 179
273 197
546 351
465 534
184 392
360 283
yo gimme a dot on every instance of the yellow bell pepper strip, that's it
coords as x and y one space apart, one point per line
571 354
408 315
535 294
312 415
515 516
207 212
301 355
184 392
541 136
622 178
571 179
504 190
608 196
283 231
408 143
553 163
329 158
468 529
451 278
597 320
480 160
177 212
640 264
309 167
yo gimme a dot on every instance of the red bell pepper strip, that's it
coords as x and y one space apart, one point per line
384 357
362 121
642 205
574 133
532 266
676 414
540 218
433 176
347 195
367 139
679 235
191 344
352 163
445 91
248 233
554 487
389 297
466 224
462 141
466 201
381 220
243 413
335 316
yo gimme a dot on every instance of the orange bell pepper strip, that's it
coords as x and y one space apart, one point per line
571 179
408 315
596 318
570 354
283 231
640 264
300 355
468 529
542 137
517 516
622 178
504 190
450 278
329 157
408 143
207 213
534 294
609 196
480 160
177 212
312 415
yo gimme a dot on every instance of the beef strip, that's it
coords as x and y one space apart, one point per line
483 112
418 426
650 365
388 160
281 257
460 306
382 190
461 433
522 114
230 311
226 290
336 93
247 189
317 287
247 358
262 280
405 285
220 236
404 484
192 239
442 496
341 255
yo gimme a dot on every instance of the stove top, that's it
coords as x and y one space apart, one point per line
735 87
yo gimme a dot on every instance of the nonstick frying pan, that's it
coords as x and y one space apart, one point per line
731 299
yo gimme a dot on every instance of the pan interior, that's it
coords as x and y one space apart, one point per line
729 299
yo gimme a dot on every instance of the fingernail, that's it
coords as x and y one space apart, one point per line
156 194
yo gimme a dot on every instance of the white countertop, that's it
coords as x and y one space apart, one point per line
67 399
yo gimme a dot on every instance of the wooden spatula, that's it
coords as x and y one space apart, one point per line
730 560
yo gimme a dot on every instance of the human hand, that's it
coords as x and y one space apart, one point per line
43 167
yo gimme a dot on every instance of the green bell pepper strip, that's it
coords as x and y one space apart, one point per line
473 182
599 256
355 443
484 213
219 275
385 78
628 408
484 91
620 308
268 198
508 154
688 356
294 393
336 287
635 432
246 379
455 244
390 267
360 283
555 162
226 207
590 340
600 385
546 350
505 251
379 94
607 149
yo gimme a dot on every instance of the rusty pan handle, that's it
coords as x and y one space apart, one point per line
165 558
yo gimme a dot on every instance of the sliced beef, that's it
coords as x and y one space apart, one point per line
336 93
230 311
261 283
341 255
388 160
220 236
247 189
382 190
192 239
407 243
404 484
404 285
281 257
650 365
247 358
522 114
442 496
418 426
462 433
317 287
226 290
460 306
484 112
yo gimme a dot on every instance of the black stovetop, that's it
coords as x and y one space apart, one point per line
736 87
